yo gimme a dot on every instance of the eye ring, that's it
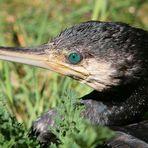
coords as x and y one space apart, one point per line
74 58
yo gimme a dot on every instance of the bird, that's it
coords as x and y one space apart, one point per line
110 57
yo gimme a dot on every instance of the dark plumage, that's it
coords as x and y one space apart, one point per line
110 57
126 49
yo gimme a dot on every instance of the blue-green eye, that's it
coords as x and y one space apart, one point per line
74 58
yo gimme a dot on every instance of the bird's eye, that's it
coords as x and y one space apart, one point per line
74 58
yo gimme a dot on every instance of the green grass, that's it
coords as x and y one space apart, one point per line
30 91
72 130
12 133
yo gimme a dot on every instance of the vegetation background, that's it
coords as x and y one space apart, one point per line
30 91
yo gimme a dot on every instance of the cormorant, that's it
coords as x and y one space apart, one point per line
112 58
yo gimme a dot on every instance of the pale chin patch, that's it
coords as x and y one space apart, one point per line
96 86
101 75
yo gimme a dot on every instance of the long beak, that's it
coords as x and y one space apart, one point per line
43 57
30 56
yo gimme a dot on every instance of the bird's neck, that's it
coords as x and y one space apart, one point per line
119 107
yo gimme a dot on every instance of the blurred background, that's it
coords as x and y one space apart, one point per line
29 91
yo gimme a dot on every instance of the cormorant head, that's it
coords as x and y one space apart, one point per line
100 54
